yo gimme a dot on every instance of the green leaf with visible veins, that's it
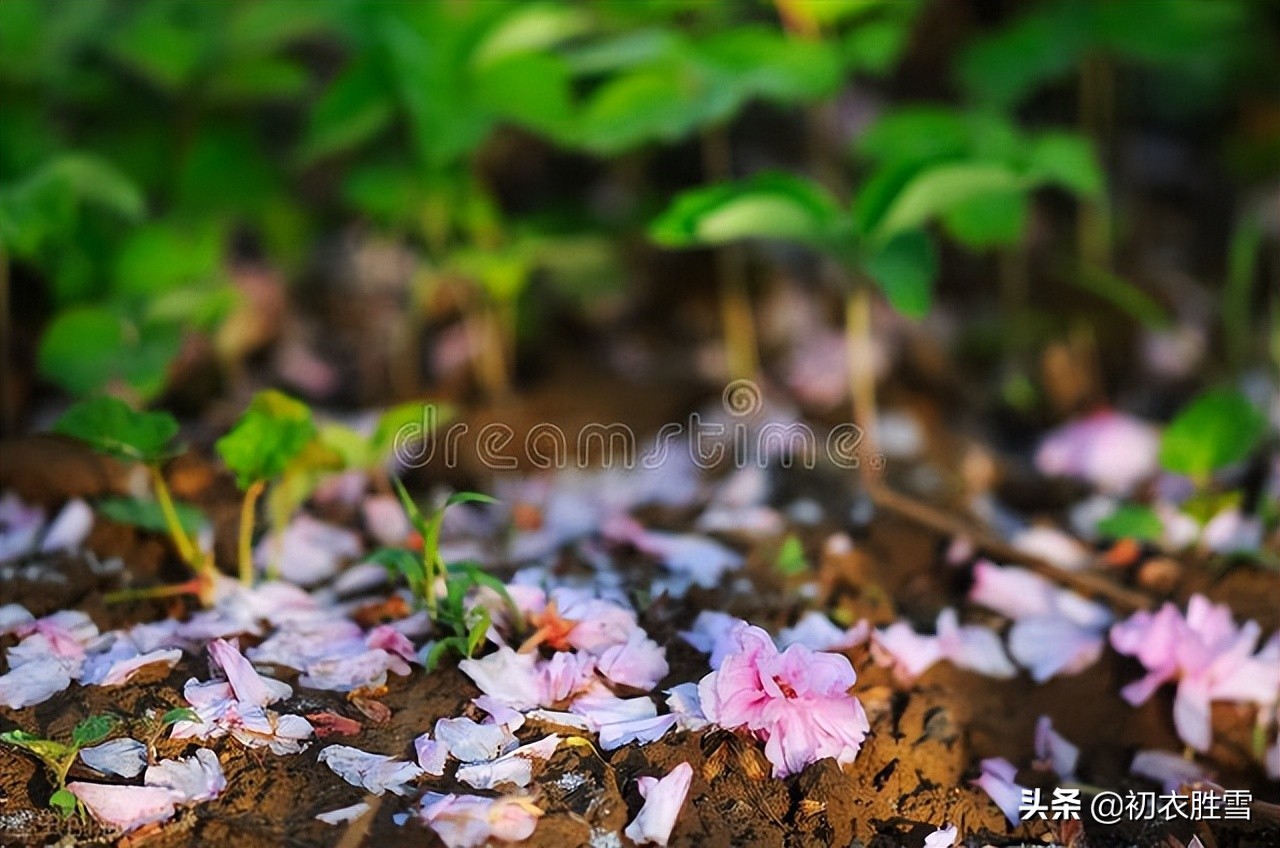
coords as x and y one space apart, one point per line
111 426
92 729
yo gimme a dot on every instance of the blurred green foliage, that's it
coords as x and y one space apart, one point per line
144 143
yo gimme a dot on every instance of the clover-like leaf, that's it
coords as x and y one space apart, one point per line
1132 521
111 426
273 431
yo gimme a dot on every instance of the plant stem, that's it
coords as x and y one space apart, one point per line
186 548
191 587
247 510
862 377
741 347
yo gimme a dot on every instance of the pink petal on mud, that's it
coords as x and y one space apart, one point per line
515 767
192 779
908 653
998 781
713 633
663 799
432 755
469 821
471 742
639 663
507 677
126 808
1111 450
246 682
377 773
120 670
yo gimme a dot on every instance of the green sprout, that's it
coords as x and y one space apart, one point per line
110 426
156 723
422 571
273 432
58 757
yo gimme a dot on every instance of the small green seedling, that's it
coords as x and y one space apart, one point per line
157 723
467 627
58 757
110 426
273 432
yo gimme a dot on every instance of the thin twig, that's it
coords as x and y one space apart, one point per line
951 525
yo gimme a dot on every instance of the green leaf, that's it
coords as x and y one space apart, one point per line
438 651
940 189
791 560
416 517
530 90
988 221
147 514
1132 521
178 714
92 730
273 431
478 630
90 349
111 426
905 270
1219 428
357 106
468 497
65 801
400 562
766 206
1065 160
162 257
531 28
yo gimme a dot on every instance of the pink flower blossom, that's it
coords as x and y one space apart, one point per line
663 799
1111 450
1207 654
797 701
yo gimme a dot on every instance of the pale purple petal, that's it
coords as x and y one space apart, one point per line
663 799
998 781
1047 646
817 632
33 683
1111 450
972 647
943 837
309 551
69 530
122 757
1053 749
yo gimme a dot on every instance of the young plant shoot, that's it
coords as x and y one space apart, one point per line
273 432
110 426
58 757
